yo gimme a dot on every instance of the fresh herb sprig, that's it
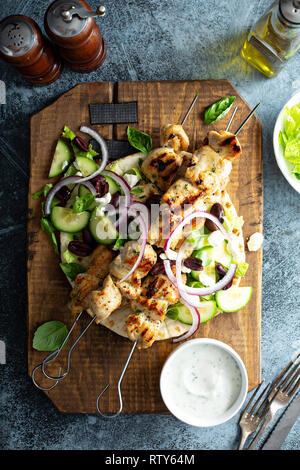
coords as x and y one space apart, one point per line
139 140
218 110
50 336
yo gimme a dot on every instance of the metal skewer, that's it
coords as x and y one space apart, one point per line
189 110
119 388
232 117
247 119
53 355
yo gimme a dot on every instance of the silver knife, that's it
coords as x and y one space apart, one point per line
284 425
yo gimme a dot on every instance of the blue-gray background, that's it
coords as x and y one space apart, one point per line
146 40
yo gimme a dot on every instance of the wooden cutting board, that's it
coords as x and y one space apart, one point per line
99 357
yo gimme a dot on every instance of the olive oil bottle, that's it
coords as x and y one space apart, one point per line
274 38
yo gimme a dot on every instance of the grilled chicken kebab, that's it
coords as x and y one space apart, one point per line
176 178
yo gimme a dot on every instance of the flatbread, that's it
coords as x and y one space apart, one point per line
116 322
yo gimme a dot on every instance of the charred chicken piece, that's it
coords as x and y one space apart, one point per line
175 137
161 166
103 302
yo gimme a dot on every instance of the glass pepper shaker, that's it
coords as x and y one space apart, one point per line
275 38
23 46
71 26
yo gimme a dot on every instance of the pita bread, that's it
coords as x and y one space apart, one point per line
116 322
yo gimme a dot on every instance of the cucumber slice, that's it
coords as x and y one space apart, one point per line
65 220
234 298
221 255
113 186
102 229
82 190
86 166
61 159
182 313
205 254
207 311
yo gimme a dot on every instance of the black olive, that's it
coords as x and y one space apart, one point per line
218 211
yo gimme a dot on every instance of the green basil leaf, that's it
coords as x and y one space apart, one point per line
83 202
218 110
49 230
68 134
72 269
49 336
139 140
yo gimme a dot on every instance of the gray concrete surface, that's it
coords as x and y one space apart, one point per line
147 40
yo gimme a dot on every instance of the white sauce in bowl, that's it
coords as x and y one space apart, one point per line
201 382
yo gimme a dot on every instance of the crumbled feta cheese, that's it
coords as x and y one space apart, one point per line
215 238
163 256
233 247
132 180
206 280
186 270
78 173
255 241
103 201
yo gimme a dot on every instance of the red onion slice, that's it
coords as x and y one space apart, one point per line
94 134
60 184
171 254
195 325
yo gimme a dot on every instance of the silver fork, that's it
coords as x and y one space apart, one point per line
251 419
281 393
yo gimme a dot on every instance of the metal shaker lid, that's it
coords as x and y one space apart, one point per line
290 11
16 36
61 20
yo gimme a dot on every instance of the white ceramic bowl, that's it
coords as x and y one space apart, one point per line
193 420
285 166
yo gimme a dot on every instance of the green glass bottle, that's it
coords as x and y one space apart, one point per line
275 38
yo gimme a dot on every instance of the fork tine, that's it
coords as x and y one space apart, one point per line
258 400
252 398
295 387
283 372
287 378
291 383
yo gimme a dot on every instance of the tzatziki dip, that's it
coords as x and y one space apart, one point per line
202 381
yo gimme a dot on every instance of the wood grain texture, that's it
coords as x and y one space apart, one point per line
99 357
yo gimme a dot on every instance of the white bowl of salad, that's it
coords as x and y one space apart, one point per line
286 141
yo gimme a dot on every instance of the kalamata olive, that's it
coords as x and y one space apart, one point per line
101 185
63 195
80 143
194 264
159 268
115 200
218 211
80 249
87 237
222 272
